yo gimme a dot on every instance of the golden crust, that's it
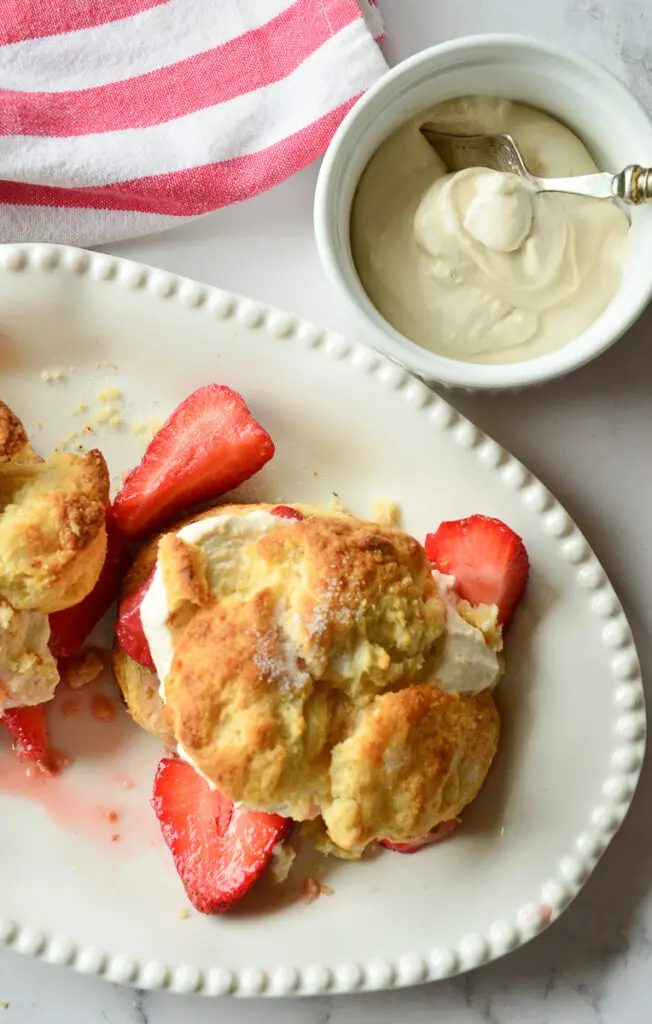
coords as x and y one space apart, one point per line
413 759
139 688
138 685
52 522
14 445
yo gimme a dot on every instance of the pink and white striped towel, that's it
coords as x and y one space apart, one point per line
122 117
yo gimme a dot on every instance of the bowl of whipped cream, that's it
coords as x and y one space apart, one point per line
473 279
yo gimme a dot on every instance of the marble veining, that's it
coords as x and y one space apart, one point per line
594 966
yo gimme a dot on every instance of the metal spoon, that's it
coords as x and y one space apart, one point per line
500 153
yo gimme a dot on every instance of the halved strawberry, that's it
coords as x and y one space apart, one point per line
129 627
442 831
488 560
219 849
28 731
286 512
69 628
209 445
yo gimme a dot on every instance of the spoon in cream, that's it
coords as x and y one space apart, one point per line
500 153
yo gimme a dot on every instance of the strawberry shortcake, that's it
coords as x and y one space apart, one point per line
305 665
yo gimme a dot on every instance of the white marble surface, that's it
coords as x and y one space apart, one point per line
588 438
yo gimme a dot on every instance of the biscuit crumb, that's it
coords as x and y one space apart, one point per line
80 408
184 913
112 411
81 669
311 890
102 708
385 513
50 376
115 837
109 395
111 815
145 430
283 856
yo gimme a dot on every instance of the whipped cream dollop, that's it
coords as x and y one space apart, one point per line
28 671
476 265
467 663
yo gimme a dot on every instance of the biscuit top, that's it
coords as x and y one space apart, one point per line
52 522
274 639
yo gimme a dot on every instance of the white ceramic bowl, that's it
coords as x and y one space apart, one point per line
577 91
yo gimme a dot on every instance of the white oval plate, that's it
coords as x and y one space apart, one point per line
345 420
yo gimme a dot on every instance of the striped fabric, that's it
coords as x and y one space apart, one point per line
121 117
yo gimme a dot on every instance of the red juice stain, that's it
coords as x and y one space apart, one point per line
124 780
69 707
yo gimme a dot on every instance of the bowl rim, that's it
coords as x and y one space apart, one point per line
424 363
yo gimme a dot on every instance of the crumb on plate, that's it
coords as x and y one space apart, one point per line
311 890
385 513
50 376
283 856
102 708
81 669
145 430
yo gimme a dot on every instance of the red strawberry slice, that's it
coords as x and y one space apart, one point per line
286 512
219 849
129 628
69 628
209 445
441 832
28 731
488 560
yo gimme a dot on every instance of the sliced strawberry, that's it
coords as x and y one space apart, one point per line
69 628
209 445
487 559
286 512
28 731
129 627
219 849
440 832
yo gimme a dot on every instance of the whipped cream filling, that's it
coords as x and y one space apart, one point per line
466 663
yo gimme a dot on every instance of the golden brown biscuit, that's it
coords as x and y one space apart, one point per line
52 528
139 687
413 759
316 615
14 445
297 683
